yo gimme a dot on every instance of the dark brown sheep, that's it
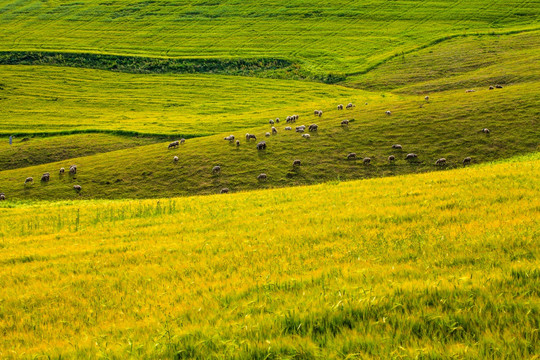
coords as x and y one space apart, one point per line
225 191
261 145
367 161
498 87
274 131
313 127
216 169
174 144
491 88
467 161
351 156
296 163
2 197
350 105
340 107
45 177
391 158
262 177
237 142
29 180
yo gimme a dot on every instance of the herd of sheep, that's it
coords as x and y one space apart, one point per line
313 128
262 146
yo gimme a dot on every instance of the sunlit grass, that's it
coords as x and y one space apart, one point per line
437 265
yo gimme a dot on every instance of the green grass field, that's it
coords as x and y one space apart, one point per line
342 36
440 265
332 259
447 126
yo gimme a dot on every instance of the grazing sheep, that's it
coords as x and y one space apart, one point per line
307 136
229 138
351 156
491 88
45 177
320 113
467 161
277 120
296 163
237 142
216 169
261 145
345 122
397 146
288 119
2 197
441 161
274 131
350 105
267 134
295 117
498 87
271 122
486 131
340 107
313 127
29 180
411 156
391 158
182 141
250 136
62 171
470 91
426 98
301 128
175 159
367 161
225 191
316 113
73 169
388 112
173 144
288 128
77 188
262 177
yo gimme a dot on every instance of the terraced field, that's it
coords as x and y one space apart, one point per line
436 265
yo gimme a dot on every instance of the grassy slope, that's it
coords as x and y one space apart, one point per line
436 266
447 126
343 36
464 62
38 150
38 99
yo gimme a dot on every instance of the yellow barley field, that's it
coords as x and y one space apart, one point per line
438 265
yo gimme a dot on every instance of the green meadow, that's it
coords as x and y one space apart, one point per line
158 256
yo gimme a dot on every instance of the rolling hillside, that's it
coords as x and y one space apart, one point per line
448 125
440 265
343 36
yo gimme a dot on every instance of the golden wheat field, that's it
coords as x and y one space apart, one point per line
439 265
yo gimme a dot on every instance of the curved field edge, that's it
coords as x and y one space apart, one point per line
443 264
447 126
31 151
46 99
